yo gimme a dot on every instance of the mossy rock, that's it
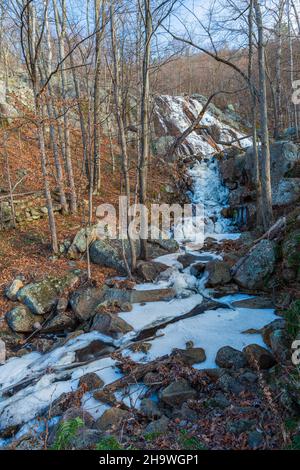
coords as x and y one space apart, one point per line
41 296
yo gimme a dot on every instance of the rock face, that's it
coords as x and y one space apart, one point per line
110 324
253 269
41 296
21 320
177 393
229 357
259 357
237 171
218 273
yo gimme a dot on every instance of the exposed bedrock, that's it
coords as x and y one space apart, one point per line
238 173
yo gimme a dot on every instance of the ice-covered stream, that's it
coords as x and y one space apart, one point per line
40 379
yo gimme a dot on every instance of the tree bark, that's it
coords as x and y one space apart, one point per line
267 212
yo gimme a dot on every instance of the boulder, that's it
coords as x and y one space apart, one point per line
152 295
280 344
90 381
77 412
85 300
197 269
110 253
190 356
110 325
284 156
228 357
83 238
157 427
41 296
187 259
60 322
12 291
177 393
259 357
218 273
156 248
111 419
149 270
278 324
22 320
252 270
286 192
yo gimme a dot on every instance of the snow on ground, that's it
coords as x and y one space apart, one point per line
142 316
210 330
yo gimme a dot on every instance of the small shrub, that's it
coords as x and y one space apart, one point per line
66 431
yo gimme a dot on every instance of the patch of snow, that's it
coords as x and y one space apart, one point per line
144 316
210 330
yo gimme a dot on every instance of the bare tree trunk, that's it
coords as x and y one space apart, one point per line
60 22
97 170
278 85
145 108
10 188
119 115
265 146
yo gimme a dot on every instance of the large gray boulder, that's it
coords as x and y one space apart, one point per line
109 253
253 269
41 296
218 273
21 320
